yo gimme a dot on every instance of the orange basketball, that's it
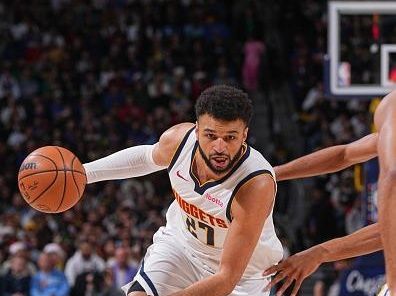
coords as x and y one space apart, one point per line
51 179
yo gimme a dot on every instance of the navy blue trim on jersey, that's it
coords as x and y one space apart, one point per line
202 188
240 184
179 149
136 287
147 280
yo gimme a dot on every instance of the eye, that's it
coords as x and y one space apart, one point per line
229 138
211 136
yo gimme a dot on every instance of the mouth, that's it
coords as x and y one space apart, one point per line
220 161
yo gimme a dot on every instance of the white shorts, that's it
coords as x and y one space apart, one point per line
168 267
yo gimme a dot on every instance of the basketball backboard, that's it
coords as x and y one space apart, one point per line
361 60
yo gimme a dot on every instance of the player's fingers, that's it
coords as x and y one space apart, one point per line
284 286
273 269
280 276
296 287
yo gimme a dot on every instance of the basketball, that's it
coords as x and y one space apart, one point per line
51 179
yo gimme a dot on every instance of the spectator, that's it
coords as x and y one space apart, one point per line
48 280
88 283
18 249
16 282
56 254
96 283
110 287
9 85
122 269
253 50
83 260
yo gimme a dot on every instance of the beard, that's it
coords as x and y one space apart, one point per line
219 171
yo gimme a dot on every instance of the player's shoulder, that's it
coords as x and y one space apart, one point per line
258 177
170 140
173 136
389 99
387 103
385 110
258 163
253 192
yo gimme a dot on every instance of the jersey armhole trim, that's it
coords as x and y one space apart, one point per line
179 149
240 184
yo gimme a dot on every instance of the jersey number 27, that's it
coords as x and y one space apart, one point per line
192 228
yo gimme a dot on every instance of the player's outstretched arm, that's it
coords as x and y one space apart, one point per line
138 160
250 208
329 160
301 265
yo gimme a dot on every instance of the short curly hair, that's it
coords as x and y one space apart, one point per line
224 102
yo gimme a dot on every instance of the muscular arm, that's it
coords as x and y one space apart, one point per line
301 265
385 121
329 160
138 160
364 241
250 209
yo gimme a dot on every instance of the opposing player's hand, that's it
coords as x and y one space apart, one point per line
294 269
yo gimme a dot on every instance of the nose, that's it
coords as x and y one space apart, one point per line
219 145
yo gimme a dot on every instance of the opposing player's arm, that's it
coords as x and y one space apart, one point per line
138 160
250 208
301 265
330 159
385 121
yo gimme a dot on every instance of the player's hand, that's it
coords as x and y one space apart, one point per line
294 269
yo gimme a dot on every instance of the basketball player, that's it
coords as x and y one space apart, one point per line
366 240
219 234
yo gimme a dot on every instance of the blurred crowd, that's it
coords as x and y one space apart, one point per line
98 76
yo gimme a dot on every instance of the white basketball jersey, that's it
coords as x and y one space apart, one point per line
201 213
384 291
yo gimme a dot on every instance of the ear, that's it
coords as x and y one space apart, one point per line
245 134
